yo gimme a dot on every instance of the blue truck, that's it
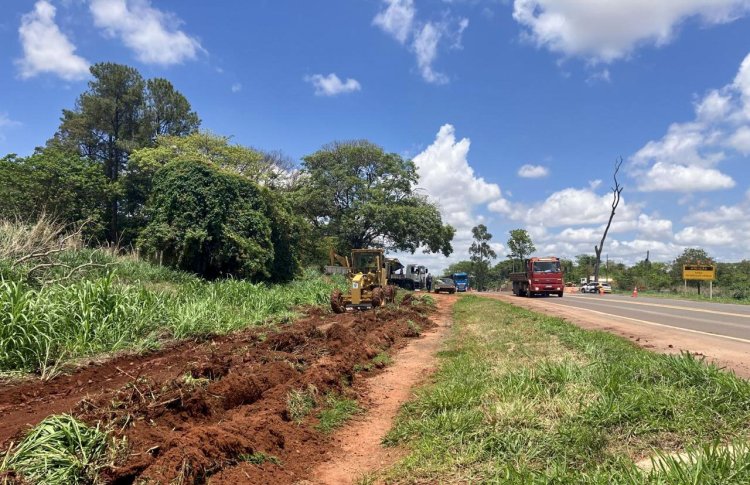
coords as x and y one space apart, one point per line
461 280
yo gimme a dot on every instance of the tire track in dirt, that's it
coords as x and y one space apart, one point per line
358 449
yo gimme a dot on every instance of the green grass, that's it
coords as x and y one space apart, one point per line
718 298
337 411
259 458
136 307
300 402
60 450
524 398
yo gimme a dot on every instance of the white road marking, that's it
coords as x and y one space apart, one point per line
645 322
673 307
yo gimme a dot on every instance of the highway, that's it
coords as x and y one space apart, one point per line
726 320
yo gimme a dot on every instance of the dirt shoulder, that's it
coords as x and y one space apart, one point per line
724 352
357 448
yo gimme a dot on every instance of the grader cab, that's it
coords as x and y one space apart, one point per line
368 282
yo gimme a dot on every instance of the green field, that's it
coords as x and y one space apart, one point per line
524 398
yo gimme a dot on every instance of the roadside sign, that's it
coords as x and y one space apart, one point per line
699 272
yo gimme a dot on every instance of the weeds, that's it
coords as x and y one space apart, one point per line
59 450
337 411
42 327
259 458
299 403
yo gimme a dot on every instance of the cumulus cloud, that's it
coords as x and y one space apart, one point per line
331 85
446 176
533 171
398 19
571 207
604 31
236 87
682 178
45 48
153 35
685 159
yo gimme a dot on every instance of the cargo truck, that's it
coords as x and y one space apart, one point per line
541 276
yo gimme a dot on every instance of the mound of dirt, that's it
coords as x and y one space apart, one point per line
222 404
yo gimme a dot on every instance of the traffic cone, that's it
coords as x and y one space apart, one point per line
601 290
635 292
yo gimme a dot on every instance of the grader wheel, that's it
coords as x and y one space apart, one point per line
337 302
378 297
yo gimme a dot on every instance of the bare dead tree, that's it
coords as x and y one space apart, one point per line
616 191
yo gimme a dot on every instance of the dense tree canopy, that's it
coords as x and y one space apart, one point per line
63 185
208 221
363 196
119 113
520 245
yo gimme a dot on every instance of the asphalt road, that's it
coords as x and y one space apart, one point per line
726 320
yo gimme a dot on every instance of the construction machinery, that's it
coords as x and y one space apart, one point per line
368 274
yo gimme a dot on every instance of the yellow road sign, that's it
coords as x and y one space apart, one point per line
700 272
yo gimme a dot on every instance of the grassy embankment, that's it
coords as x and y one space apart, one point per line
718 298
131 304
524 398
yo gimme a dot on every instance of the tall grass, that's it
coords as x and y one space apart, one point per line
40 327
525 398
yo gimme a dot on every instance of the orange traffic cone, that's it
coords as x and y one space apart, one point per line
635 292
601 290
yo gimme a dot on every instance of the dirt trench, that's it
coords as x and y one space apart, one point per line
197 411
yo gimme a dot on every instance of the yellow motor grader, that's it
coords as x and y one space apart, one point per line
368 276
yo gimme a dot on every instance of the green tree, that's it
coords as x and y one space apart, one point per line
520 245
119 113
481 253
364 197
63 185
208 221
213 149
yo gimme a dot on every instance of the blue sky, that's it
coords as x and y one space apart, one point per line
473 90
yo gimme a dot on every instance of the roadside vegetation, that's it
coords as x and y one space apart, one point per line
525 398
49 316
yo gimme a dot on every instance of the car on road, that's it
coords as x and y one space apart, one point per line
596 288
446 285
588 288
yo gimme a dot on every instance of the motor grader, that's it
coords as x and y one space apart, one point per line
368 281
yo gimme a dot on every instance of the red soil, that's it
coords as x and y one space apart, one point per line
195 410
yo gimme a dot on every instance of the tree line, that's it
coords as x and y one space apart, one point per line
732 279
130 162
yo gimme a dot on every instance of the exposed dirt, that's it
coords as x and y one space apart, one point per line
200 409
723 352
358 449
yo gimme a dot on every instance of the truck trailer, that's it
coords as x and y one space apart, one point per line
541 276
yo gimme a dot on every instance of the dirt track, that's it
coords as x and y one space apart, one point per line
190 412
725 353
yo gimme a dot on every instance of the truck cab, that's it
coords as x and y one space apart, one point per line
541 276
461 280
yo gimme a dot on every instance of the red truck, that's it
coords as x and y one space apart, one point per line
542 276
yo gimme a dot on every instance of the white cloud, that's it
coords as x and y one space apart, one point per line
152 34
397 19
533 171
686 157
683 178
446 176
236 87
712 236
331 85
571 207
740 140
425 48
606 30
45 48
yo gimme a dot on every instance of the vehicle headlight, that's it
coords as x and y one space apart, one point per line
536 288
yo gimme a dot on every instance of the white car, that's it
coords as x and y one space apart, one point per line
589 288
